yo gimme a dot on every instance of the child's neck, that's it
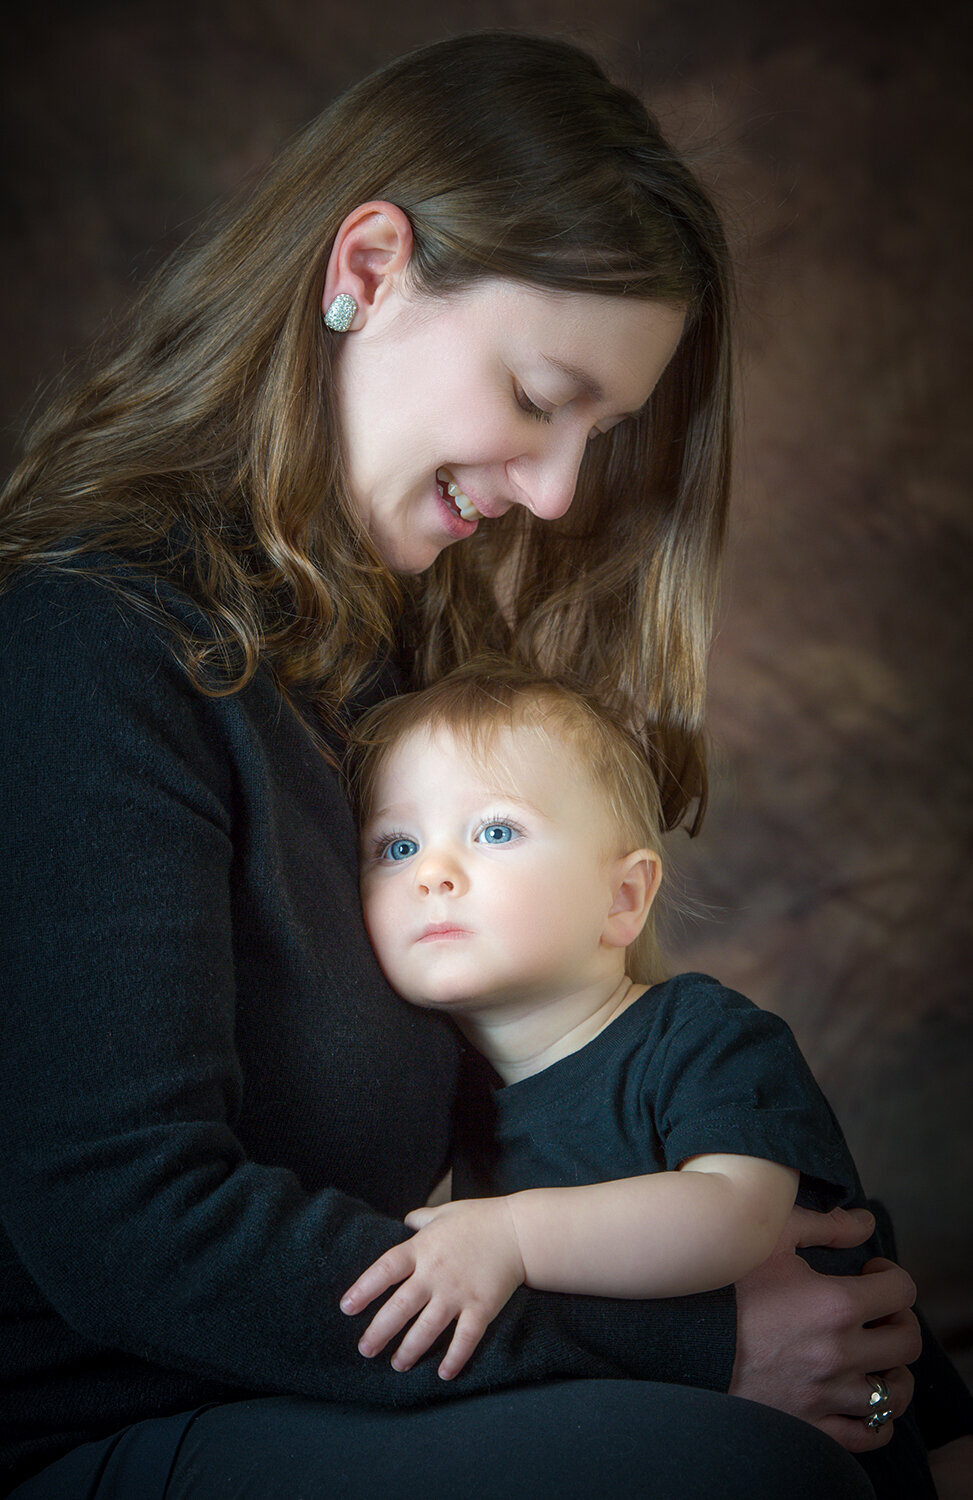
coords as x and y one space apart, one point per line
522 1042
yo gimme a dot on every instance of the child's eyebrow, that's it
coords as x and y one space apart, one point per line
384 815
501 796
402 812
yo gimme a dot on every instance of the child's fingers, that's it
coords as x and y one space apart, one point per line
424 1332
392 1317
395 1265
470 1328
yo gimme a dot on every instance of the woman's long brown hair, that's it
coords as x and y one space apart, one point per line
206 446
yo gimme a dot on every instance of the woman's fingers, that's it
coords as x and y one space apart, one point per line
893 1341
884 1289
420 1217
852 1430
841 1229
807 1343
882 1292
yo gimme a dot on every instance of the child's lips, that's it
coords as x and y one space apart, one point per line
441 931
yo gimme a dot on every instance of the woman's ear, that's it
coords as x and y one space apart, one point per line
371 250
635 880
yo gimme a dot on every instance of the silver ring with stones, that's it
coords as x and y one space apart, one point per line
879 1404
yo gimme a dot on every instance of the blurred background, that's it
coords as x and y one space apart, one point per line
832 880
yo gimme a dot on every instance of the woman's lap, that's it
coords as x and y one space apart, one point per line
574 1439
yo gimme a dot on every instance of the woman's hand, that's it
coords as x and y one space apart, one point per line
809 1344
462 1264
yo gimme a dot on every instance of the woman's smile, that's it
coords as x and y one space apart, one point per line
456 498
454 410
458 525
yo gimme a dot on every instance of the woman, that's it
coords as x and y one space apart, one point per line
345 441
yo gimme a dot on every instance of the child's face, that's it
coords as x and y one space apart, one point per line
488 883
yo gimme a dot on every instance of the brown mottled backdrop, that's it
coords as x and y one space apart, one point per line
832 880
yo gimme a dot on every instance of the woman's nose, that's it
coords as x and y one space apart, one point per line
546 480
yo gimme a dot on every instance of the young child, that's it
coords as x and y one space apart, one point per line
651 1133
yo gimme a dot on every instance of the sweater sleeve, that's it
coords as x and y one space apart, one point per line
128 1198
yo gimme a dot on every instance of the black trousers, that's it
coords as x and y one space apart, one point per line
576 1440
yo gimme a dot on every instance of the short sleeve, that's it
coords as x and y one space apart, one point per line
730 1078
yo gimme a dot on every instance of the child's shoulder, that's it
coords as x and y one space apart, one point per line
697 1005
695 990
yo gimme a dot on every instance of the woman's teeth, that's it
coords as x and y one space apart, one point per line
463 504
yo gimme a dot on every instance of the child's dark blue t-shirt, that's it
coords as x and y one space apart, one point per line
690 1067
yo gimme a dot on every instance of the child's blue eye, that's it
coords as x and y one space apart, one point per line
496 833
400 849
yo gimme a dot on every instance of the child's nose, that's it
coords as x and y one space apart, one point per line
439 873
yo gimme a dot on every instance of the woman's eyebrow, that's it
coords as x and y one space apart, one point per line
587 383
591 387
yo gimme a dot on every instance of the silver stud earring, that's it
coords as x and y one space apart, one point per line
341 314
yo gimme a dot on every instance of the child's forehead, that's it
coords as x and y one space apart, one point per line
498 745
511 757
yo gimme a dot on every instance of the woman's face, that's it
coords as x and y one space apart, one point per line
455 409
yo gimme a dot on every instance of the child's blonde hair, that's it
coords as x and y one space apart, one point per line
486 696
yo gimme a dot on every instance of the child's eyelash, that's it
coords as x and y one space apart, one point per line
507 822
380 843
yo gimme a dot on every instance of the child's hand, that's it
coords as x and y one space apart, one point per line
463 1263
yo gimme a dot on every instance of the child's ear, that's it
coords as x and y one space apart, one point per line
635 881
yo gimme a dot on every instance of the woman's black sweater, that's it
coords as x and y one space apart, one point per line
214 1111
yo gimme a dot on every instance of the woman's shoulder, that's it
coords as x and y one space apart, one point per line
89 594
95 615
90 645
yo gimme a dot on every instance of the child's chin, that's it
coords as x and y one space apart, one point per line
441 994
437 987
445 1000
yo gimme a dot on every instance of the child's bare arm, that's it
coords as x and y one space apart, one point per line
663 1235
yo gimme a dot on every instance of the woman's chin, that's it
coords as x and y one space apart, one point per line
413 555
